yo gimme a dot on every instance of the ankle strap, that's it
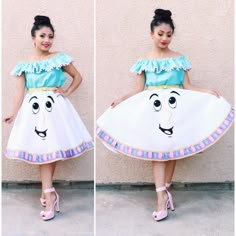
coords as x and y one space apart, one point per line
163 188
49 190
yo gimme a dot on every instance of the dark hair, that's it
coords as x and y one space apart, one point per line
39 22
162 16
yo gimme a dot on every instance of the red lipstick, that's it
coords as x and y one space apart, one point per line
163 43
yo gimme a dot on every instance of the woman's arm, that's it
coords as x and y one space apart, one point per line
77 79
187 85
18 99
139 87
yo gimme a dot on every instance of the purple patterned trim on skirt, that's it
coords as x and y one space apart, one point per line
49 157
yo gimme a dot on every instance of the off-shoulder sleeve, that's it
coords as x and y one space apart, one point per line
138 67
19 69
158 65
58 61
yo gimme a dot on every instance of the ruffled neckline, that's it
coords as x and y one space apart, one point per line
161 64
57 61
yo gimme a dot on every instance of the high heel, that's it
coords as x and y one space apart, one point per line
48 215
170 204
161 215
43 201
167 185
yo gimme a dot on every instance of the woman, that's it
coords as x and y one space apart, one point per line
47 128
153 124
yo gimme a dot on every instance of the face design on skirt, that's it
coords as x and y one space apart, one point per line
41 109
165 107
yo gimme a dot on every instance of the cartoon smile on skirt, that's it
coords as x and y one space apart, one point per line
41 134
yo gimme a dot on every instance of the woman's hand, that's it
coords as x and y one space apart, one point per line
61 92
9 119
77 79
116 102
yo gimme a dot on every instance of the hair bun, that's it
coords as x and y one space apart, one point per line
39 20
161 14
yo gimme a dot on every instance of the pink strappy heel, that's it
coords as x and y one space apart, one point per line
43 202
161 215
48 215
167 185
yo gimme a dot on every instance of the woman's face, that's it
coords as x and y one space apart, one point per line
162 35
43 38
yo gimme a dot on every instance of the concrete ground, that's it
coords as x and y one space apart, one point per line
118 213
21 207
197 213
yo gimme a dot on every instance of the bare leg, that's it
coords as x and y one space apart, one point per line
159 173
53 167
170 168
46 173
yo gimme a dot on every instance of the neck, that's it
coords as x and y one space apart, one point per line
40 53
161 51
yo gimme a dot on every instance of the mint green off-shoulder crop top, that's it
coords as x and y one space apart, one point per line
44 73
164 71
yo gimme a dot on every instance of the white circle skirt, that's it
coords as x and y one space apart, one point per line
47 129
165 124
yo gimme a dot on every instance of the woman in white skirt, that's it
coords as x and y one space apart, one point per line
46 128
154 124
